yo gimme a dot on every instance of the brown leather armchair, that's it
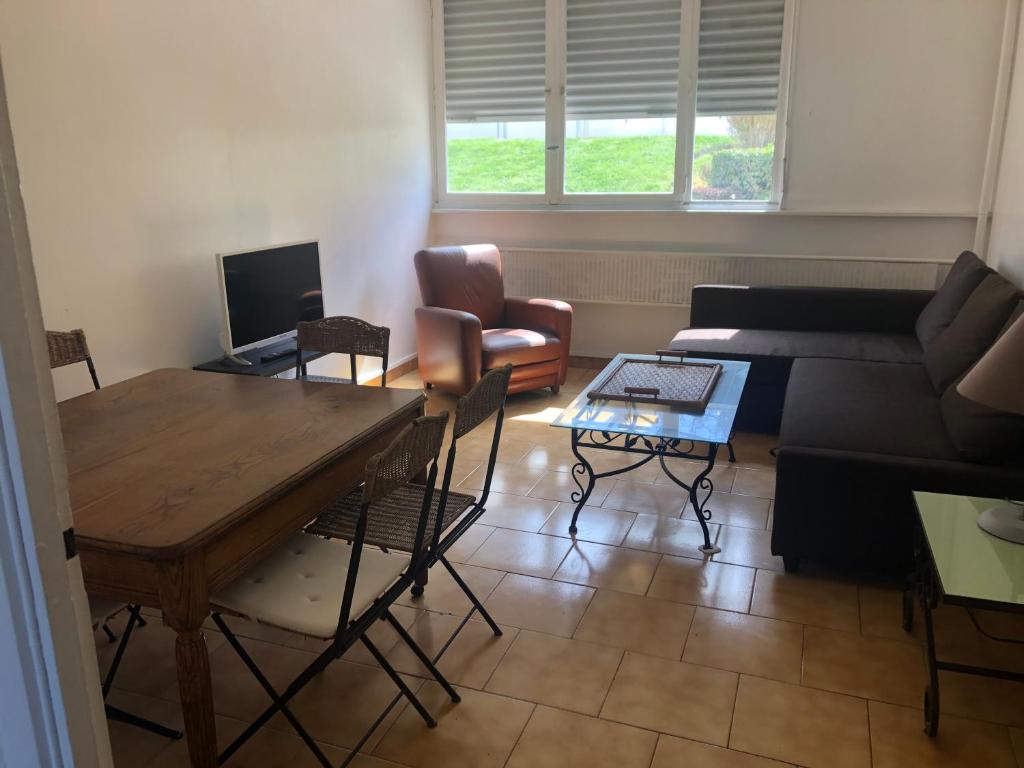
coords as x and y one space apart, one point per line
467 326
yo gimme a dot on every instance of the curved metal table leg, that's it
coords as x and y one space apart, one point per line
581 467
701 483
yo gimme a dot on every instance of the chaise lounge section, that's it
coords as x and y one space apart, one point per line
862 386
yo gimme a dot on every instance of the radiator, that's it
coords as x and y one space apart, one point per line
665 278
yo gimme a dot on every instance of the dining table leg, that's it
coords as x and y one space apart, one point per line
185 605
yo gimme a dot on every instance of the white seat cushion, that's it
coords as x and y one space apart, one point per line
101 609
299 587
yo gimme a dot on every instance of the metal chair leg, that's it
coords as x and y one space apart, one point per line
119 715
280 703
111 637
469 593
397 680
424 659
133 618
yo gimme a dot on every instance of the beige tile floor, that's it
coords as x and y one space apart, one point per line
621 648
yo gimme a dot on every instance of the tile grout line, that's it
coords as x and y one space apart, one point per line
519 737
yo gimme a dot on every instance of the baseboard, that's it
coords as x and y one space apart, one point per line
407 365
582 361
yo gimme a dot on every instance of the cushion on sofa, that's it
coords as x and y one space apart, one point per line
881 347
972 331
876 408
981 433
964 276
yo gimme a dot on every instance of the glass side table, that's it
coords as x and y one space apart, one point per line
651 431
960 564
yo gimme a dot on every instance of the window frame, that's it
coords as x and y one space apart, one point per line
554 196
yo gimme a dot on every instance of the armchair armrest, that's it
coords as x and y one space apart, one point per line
449 348
799 308
546 315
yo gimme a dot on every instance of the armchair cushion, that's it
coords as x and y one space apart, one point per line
518 346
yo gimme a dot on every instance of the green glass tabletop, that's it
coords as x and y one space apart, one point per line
972 565
714 425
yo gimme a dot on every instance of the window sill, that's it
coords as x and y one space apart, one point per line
705 208
605 207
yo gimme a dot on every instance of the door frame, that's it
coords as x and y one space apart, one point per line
52 712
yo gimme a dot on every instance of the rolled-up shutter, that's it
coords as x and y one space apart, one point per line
739 57
622 58
494 55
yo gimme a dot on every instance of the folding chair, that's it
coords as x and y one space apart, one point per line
345 335
68 348
389 528
333 591
103 611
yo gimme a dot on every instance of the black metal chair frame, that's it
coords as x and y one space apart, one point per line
115 713
440 546
349 632
348 336
69 348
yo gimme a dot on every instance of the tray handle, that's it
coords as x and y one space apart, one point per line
654 391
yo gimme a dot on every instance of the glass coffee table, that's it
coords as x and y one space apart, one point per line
655 432
960 564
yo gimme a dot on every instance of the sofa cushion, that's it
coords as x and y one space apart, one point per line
882 347
972 331
867 407
518 346
981 433
965 275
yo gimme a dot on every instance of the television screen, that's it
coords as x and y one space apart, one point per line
269 291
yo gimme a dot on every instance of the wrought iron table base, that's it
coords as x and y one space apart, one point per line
648 448
924 583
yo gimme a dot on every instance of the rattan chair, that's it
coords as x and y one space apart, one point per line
68 348
391 518
103 611
333 591
343 335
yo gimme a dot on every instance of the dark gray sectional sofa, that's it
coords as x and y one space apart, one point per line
861 386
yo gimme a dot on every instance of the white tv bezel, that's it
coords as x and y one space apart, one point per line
226 341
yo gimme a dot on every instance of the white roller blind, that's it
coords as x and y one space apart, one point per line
494 56
739 56
622 58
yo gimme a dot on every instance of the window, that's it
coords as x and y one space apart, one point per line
738 74
646 101
494 82
621 95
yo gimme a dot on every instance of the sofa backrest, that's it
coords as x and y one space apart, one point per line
798 308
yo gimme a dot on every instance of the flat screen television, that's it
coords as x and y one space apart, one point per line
266 292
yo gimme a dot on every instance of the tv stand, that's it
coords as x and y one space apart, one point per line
270 360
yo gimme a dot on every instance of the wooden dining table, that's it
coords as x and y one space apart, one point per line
182 480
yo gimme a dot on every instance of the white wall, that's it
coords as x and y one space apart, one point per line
890 109
891 104
151 135
1007 237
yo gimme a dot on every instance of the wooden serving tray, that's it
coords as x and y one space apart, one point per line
683 385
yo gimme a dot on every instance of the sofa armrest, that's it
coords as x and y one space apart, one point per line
798 308
449 345
546 315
